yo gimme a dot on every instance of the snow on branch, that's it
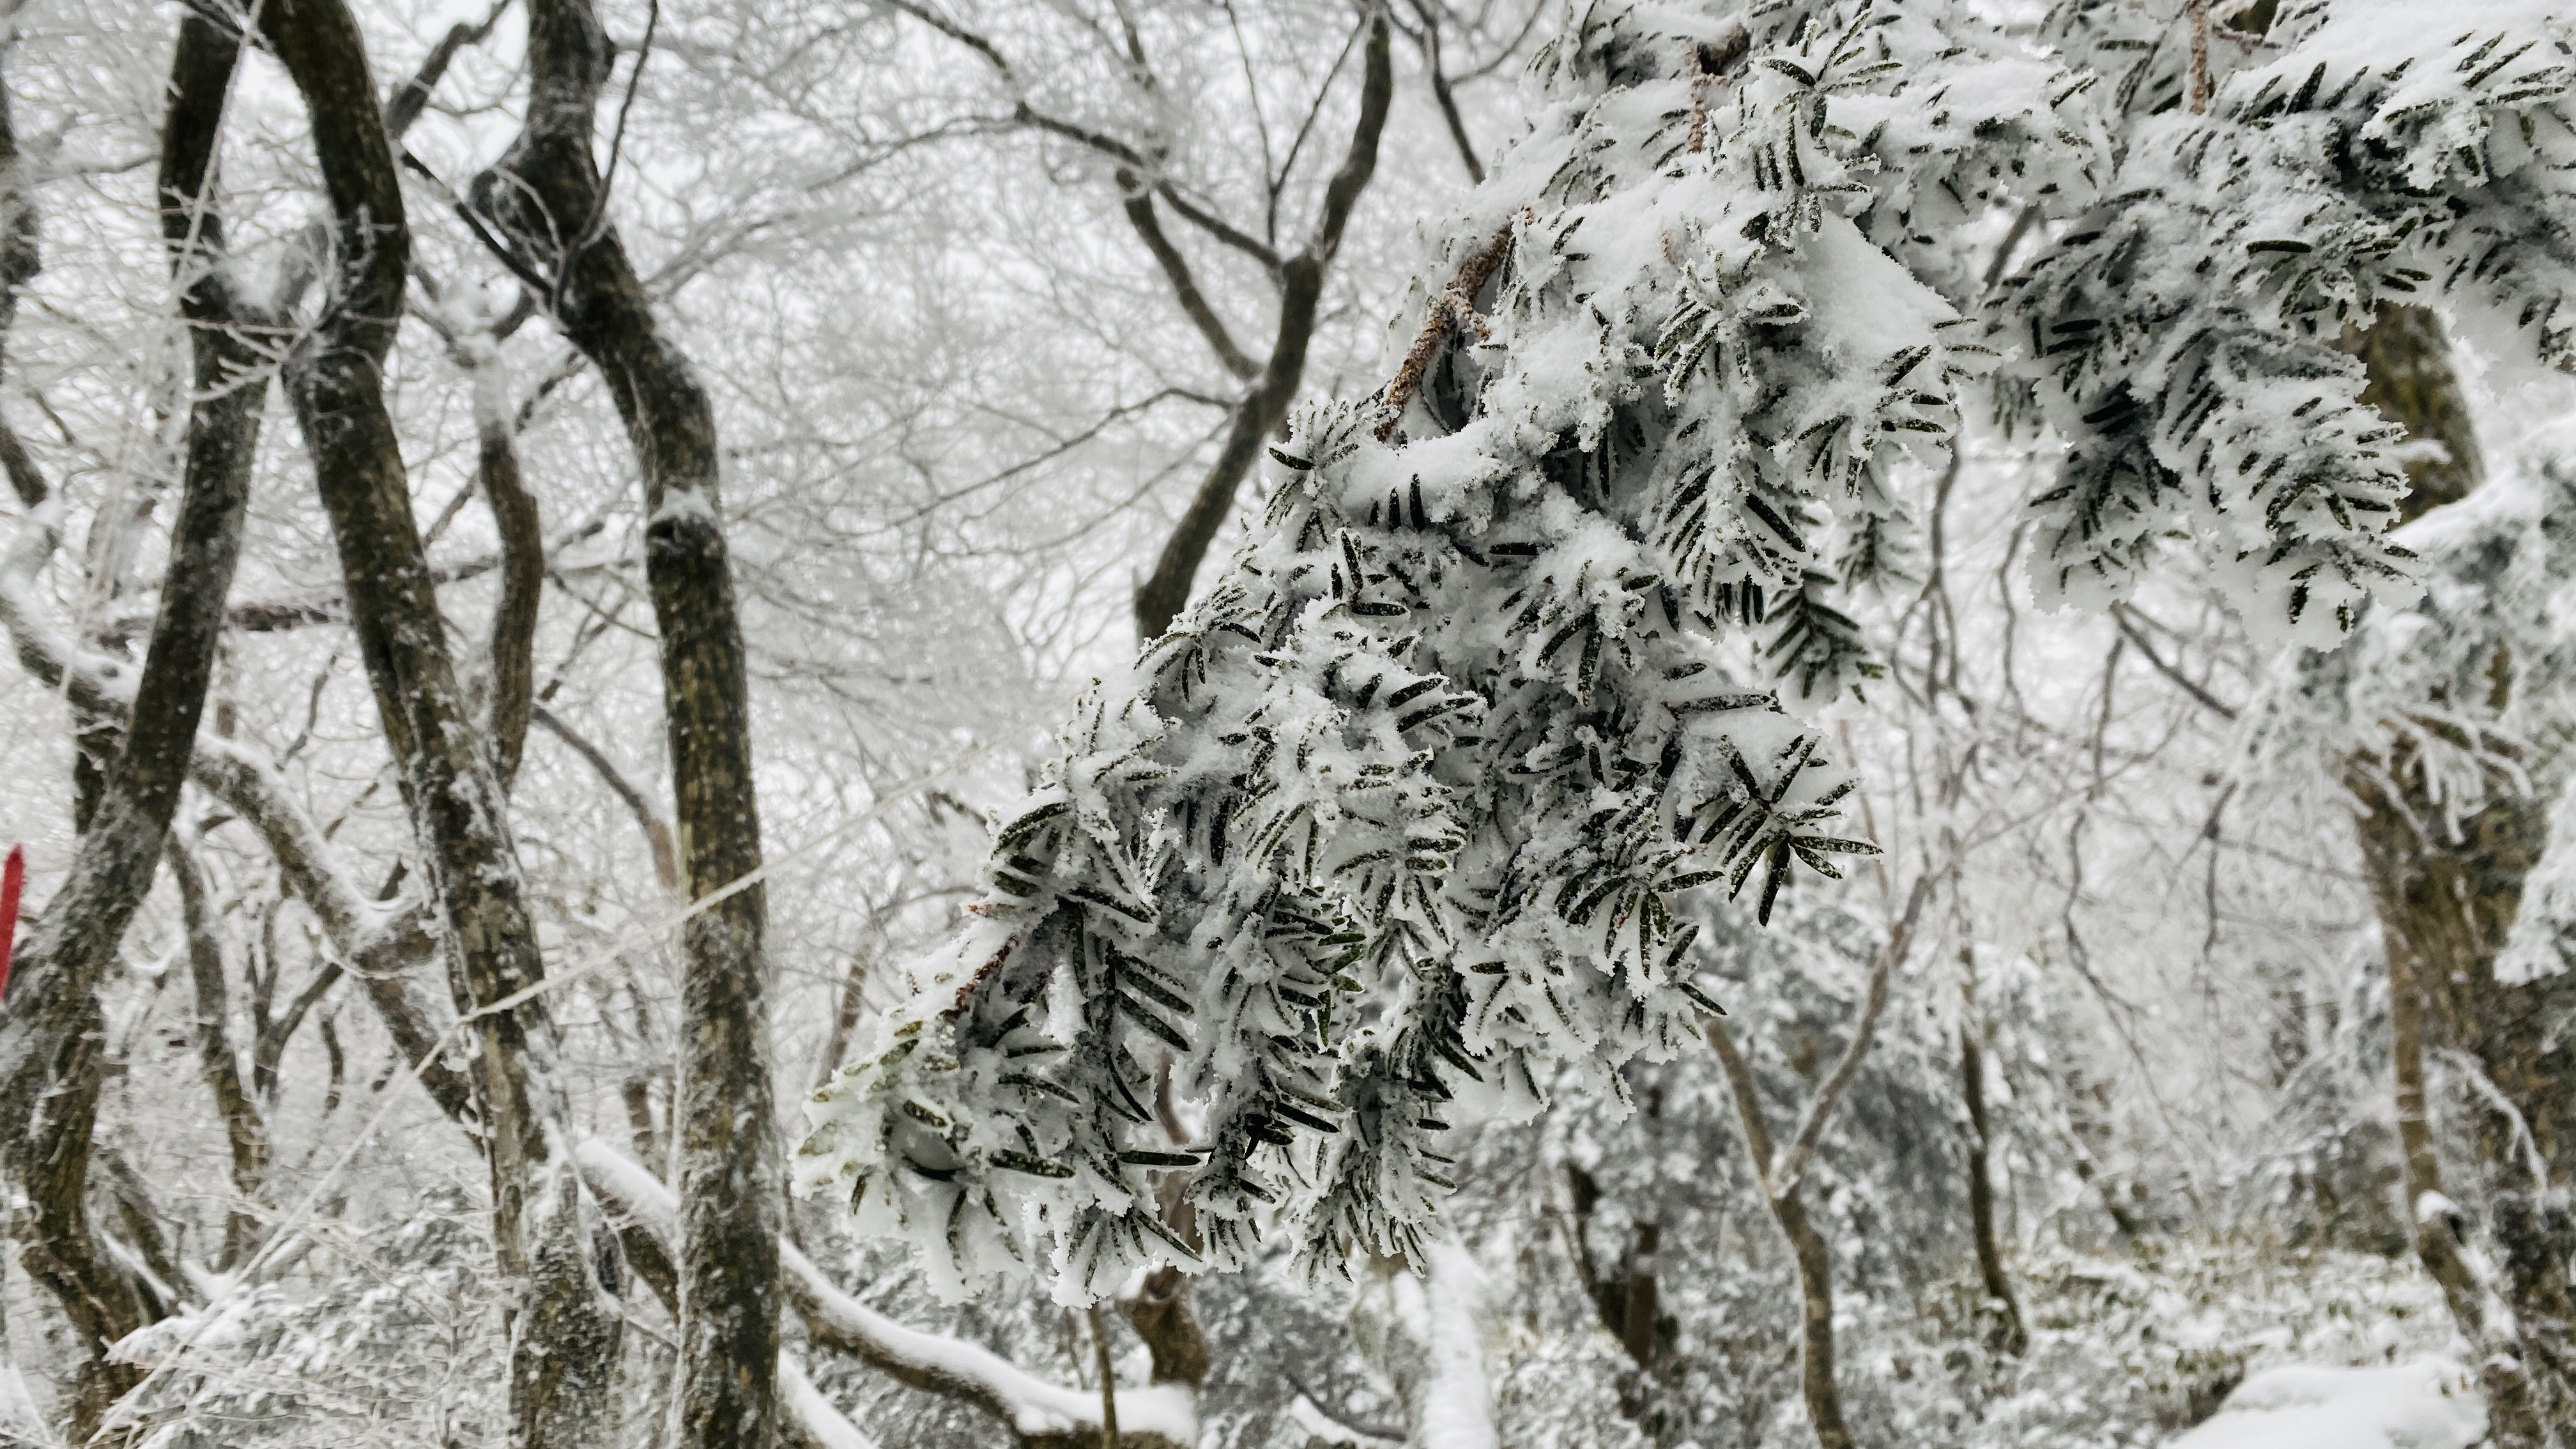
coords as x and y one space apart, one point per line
1391 822
2185 336
1033 1408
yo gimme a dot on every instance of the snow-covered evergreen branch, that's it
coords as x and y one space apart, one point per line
2184 336
1396 814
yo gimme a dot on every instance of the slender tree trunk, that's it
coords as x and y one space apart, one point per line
1637 1326
51 1048
2011 1336
553 210
245 1129
564 1333
1161 1311
1781 1173
1806 1247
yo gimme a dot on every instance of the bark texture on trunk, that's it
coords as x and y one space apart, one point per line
523 572
564 1331
2412 383
51 1048
549 202
2440 1231
2445 906
1264 407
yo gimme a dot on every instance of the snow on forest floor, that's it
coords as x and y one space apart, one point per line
2428 1404
2236 1345
2299 1349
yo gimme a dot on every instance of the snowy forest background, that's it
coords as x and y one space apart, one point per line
2201 1020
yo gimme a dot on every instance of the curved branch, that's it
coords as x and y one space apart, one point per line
1820 1110
1126 156
1443 92
1042 1415
666 867
1164 593
1139 205
383 947
410 98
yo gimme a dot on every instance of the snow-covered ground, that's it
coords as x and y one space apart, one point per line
2428 1404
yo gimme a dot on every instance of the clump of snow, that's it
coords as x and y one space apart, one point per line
2427 1404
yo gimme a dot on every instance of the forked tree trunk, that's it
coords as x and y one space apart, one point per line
1807 1249
564 1332
1781 1173
1260 411
51 1036
551 204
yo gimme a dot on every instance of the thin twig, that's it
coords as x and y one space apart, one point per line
2128 626
2196 15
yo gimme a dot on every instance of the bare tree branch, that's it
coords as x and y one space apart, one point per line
1161 597
245 1129
1442 92
1139 206
408 99
2199 693
1110 146
1792 1165
657 835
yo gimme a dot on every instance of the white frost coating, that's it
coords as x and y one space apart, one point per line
2461 683
683 503
1386 829
825 1427
1034 1405
1447 1311
2183 337
2433 1207
19 1415
2428 1404
25 619
2544 927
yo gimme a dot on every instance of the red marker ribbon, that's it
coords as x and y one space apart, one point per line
13 879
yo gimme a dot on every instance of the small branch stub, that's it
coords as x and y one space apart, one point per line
1455 306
